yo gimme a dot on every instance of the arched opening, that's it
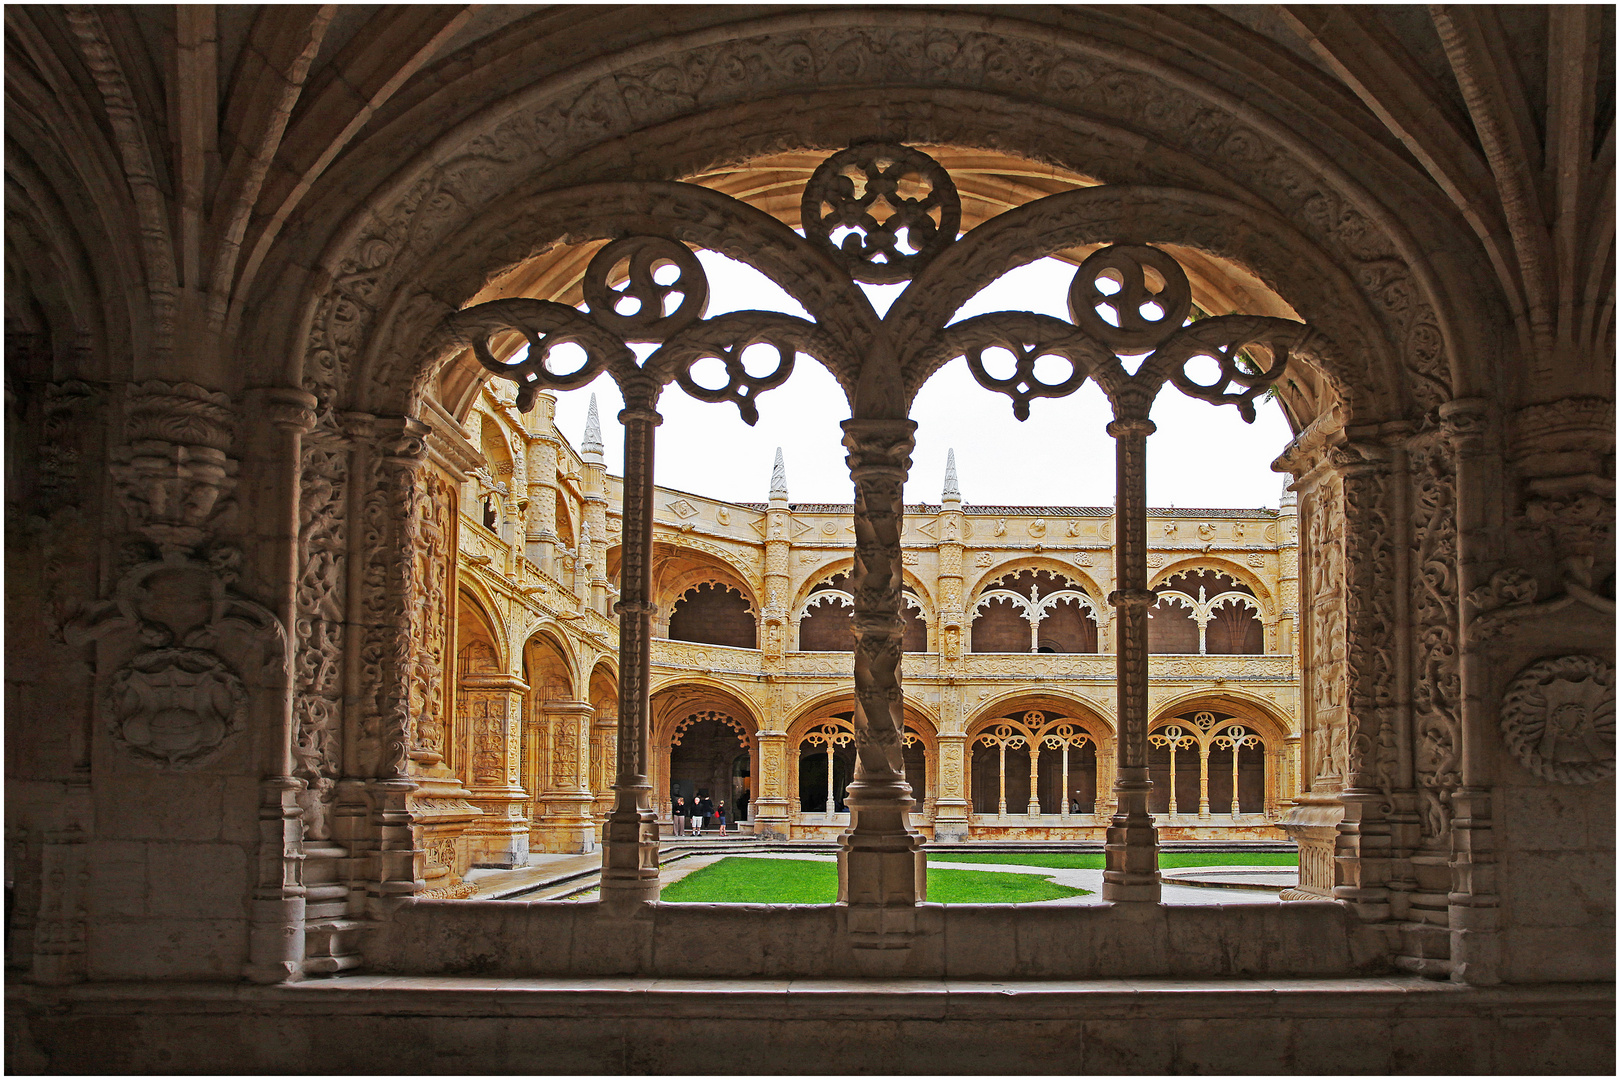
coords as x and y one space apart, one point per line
709 762
1034 761
1207 611
1034 610
713 613
825 618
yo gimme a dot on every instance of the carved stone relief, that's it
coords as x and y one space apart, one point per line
1436 681
1558 719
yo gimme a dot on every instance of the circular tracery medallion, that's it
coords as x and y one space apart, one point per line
1558 719
882 210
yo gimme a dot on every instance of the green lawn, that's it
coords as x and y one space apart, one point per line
799 881
1088 860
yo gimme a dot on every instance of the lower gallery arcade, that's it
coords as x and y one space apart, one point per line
313 609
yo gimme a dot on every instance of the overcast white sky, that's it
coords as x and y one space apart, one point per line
1201 456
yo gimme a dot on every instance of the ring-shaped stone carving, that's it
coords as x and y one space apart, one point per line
547 326
1144 276
1558 719
646 256
878 192
1240 380
1028 337
726 339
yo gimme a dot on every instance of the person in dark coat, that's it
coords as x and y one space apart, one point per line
678 813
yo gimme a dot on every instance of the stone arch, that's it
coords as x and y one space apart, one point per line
1091 713
1004 619
836 566
1265 714
372 328
1265 158
1059 750
675 702
1230 567
556 678
475 601
807 713
1014 563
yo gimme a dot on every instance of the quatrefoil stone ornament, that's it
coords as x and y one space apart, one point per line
895 208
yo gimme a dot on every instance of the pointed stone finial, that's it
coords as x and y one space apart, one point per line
591 447
779 479
952 492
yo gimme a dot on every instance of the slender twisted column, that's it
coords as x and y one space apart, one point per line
630 835
880 861
1131 851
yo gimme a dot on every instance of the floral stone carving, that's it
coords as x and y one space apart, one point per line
1558 719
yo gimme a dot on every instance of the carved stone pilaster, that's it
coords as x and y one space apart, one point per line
881 868
1364 847
951 807
540 474
773 809
493 702
1131 854
569 824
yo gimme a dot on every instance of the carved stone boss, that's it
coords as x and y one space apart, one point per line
878 213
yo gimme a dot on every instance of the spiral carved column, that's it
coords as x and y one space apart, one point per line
881 869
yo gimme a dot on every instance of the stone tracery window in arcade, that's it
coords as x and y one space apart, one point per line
1205 611
713 613
826 618
1199 760
1034 763
878 214
827 764
1034 611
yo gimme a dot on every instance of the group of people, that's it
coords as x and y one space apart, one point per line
697 815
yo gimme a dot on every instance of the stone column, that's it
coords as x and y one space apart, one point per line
569 824
1033 808
494 706
951 805
882 872
630 835
540 524
1131 852
277 938
1203 779
772 810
